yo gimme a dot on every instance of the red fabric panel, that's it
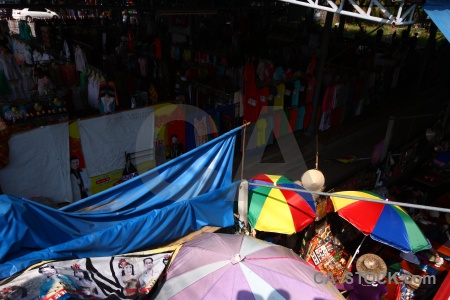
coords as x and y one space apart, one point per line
364 218
293 114
177 126
444 291
277 123
302 213
158 51
335 116
308 114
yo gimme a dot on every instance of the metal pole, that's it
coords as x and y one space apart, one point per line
440 209
317 152
356 252
320 70
388 137
243 149
243 202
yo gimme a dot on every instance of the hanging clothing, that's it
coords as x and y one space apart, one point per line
238 98
66 50
80 59
70 76
279 98
55 73
143 66
296 93
288 94
27 33
308 115
108 87
93 89
158 50
293 114
28 80
310 89
300 117
107 104
325 121
45 85
201 133
77 99
5 135
328 98
10 66
5 88
251 103
261 127
83 80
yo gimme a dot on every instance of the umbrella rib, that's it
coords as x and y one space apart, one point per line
273 257
248 260
210 250
218 280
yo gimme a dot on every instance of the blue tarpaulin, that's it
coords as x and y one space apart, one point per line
439 12
166 203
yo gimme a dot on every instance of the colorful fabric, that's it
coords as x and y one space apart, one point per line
279 210
388 224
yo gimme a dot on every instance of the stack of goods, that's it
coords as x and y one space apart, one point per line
408 285
327 255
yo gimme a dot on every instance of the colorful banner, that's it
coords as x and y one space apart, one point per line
129 276
106 139
39 165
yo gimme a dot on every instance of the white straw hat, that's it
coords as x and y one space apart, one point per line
371 264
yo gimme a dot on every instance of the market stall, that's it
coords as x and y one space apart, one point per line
327 255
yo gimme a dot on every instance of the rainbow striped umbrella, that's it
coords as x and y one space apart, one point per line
278 210
388 224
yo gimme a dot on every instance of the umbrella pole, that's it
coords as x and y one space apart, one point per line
243 202
243 148
356 252
317 152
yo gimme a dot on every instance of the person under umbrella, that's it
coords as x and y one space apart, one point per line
366 284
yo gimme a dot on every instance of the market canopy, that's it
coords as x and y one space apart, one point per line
388 224
439 12
163 204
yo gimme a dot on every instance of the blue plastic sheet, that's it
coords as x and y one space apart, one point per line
439 12
166 203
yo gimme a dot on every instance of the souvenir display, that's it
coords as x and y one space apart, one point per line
327 254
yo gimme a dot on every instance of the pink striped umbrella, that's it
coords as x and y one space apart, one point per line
225 266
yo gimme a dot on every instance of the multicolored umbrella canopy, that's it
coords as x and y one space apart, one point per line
227 266
388 224
279 210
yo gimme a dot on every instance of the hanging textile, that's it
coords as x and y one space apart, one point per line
201 133
80 59
70 76
105 139
5 135
251 103
108 88
27 176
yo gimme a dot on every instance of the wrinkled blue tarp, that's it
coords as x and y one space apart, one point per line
439 12
181 196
